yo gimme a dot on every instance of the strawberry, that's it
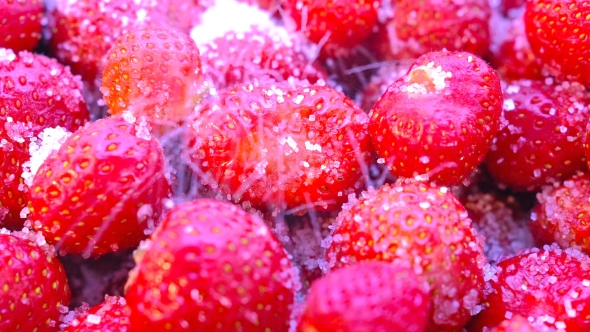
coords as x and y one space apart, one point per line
335 25
514 58
562 214
504 230
212 266
112 315
558 31
439 119
37 95
383 297
424 227
418 27
518 324
102 191
154 71
20 24
255 56
82 35
549 286
540 142
277 146
34 284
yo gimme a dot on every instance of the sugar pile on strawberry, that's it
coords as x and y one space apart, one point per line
229 181
251 50
38 96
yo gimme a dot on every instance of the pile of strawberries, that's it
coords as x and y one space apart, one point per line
294 165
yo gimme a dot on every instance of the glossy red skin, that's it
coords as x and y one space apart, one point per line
42 93
505 230
514 58
453 128
531 150
563 214
223 267
82 35
20 26
153 71
34 285
336 25
248 125
375 297
395 225
114 317
516 324
257 56
451 25
558 31
551 276
87 195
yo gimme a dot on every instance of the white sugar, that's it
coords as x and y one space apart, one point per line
50 139
226 16
7 54
93 319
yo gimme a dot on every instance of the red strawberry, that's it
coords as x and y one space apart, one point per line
153 71
33 283
558 31
20 24
280 146
83 31
505 232
439 119
418 27
422 226
335 25
212 266
375 297
256 56
102 191
36 94
514 58
548 286
518 324
563 214
112 315
540 142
